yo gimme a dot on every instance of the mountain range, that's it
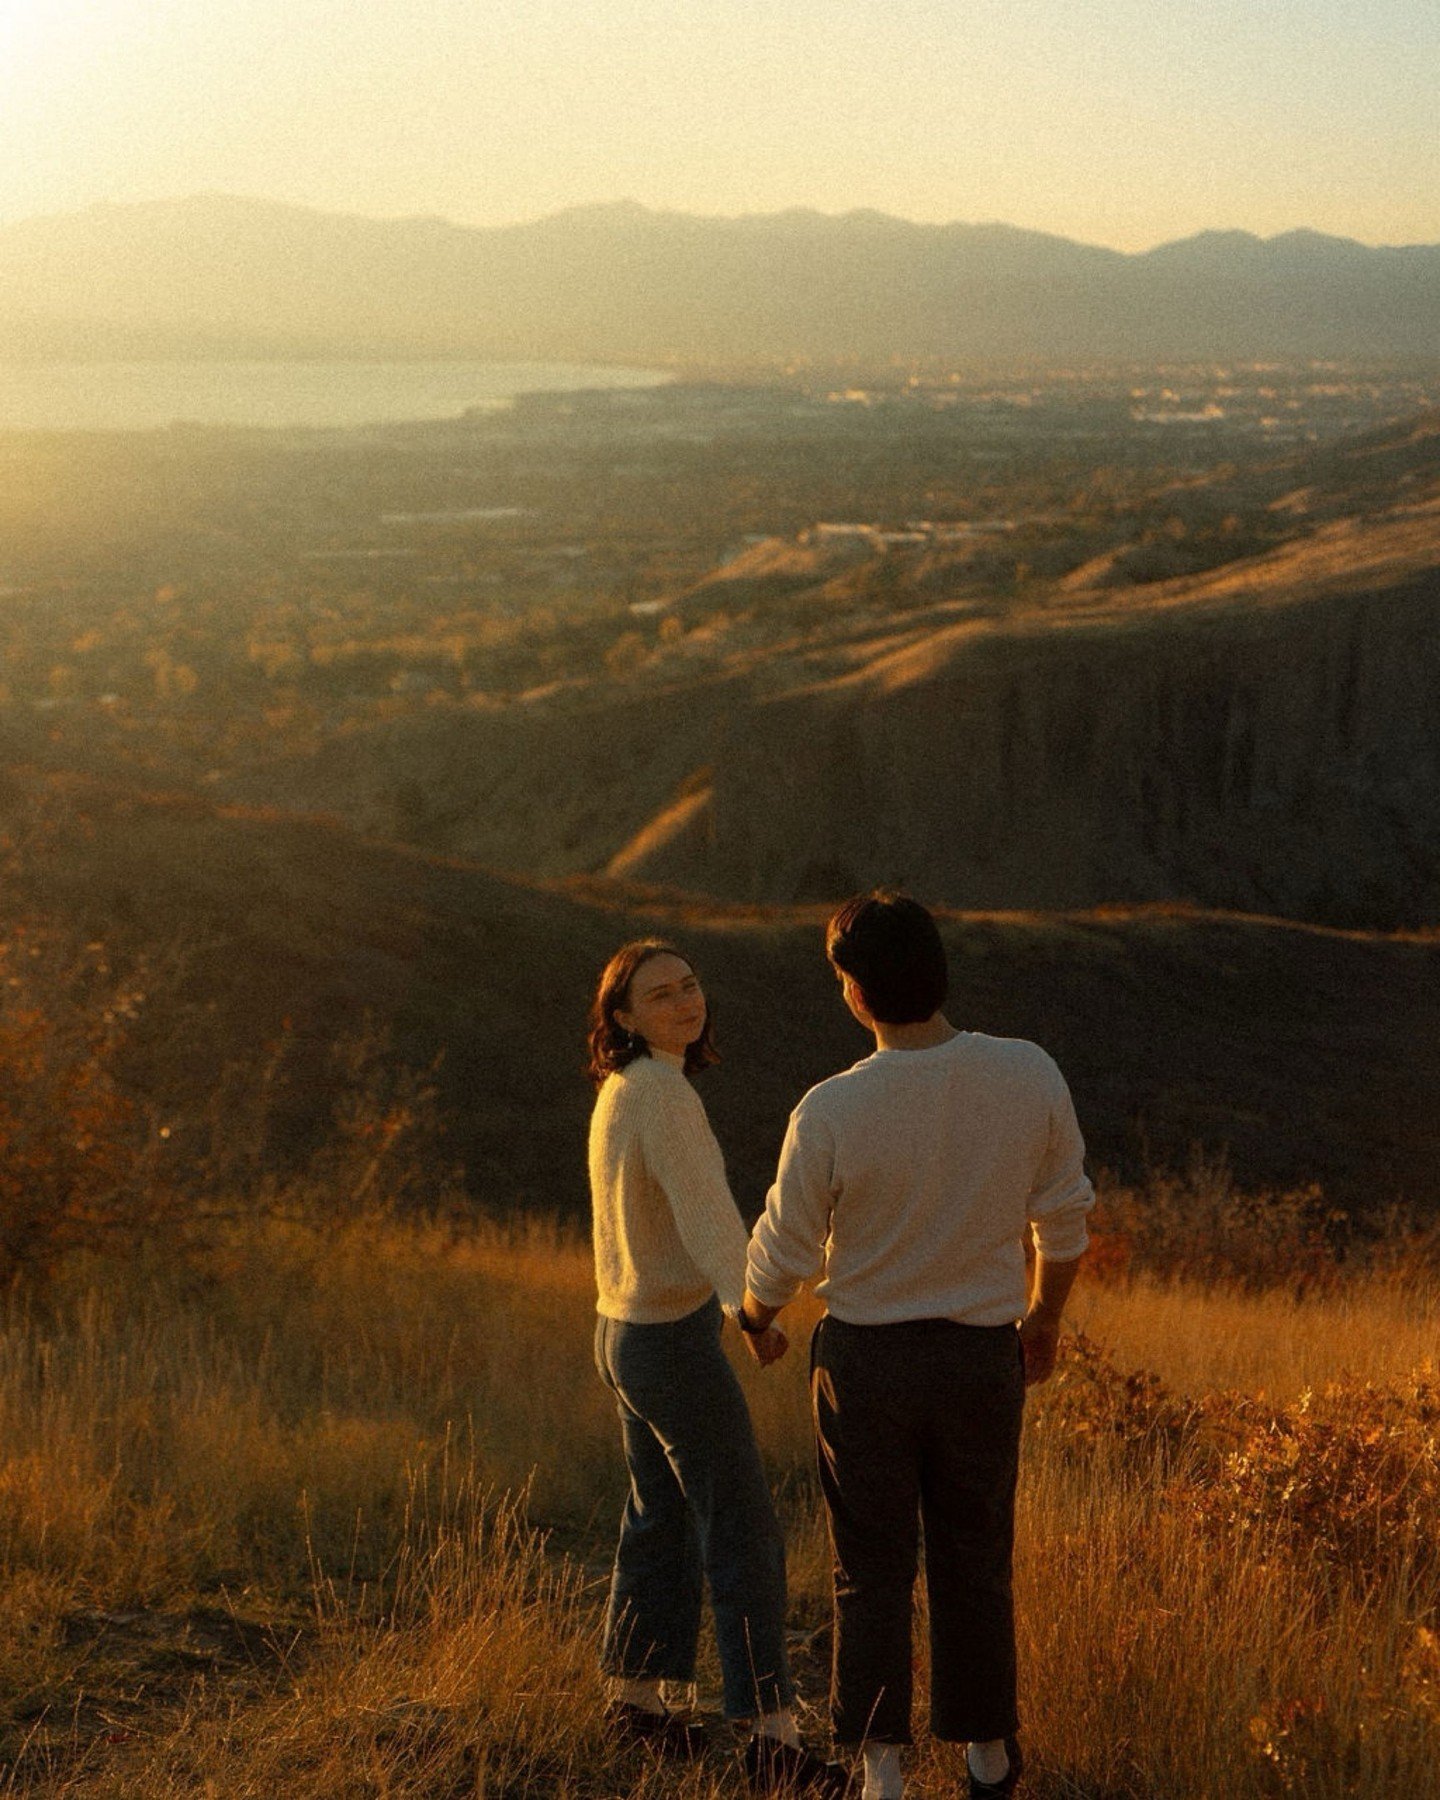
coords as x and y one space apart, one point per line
221 275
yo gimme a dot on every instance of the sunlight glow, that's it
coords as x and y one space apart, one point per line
28 28
1120 123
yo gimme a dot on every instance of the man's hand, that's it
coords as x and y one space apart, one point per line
1039 1342
766 1342
767 1346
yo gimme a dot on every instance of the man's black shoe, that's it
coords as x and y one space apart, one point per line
1008 1782
775 1768
665 1733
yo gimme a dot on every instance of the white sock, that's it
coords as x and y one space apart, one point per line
883 1779
989 1761
644 1694
779 1725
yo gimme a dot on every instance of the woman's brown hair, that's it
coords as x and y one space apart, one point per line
612 1047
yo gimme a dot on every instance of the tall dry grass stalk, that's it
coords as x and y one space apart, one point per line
379 1461
1379 1327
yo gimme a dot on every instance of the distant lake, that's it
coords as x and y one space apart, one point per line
139 396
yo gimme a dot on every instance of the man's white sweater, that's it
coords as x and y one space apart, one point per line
911 1179
666 1229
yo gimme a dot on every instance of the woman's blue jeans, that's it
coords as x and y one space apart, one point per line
698 1509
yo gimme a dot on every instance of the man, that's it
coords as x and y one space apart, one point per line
908 1183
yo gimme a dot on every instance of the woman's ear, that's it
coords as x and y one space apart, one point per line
625 1020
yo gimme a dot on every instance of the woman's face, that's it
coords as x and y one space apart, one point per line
666 1006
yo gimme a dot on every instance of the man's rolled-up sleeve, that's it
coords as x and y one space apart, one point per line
1062 1194
787 1246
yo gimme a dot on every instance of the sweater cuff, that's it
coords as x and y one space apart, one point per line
775 1291
1062 1237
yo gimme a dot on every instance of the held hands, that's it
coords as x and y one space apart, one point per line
767 1346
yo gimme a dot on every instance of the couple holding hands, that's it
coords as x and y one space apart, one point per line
907 1185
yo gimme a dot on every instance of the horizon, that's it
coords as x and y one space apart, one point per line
1127 128
627 202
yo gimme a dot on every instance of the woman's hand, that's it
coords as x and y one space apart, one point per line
767 1346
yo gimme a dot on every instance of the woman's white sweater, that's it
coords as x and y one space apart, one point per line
667 1232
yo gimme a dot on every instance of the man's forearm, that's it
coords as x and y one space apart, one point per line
1040 1328
775 1269
1051 1287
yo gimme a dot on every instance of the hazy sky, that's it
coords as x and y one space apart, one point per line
1123 122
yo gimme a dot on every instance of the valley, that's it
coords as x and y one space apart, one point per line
391 735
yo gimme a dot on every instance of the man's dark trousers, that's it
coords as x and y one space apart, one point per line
920 1420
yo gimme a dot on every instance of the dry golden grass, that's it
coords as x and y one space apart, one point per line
1380 1328
328 1515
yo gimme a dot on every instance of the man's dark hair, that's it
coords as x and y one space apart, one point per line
890 948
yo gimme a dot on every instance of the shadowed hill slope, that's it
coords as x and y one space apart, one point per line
543 788
1263 736
1309 1054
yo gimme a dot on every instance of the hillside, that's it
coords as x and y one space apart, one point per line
217 274
1262 738
1261 735
1307 1054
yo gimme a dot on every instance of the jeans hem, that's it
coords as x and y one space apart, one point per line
781 1702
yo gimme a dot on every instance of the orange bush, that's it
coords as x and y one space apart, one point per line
1089 1401
77 1157
1196 1224
1351 1474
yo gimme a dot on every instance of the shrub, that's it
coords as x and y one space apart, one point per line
77 1154
1351 1473
1089 1401
1198 1224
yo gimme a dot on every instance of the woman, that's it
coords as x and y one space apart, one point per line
669 1255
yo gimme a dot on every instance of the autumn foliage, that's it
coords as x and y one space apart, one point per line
77 1162
1348 1474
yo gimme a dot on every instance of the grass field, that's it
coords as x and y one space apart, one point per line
327 1512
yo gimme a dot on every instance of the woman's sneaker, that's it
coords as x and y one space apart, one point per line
1006 1785
775 1768
664 1733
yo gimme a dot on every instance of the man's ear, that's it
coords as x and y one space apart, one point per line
854 996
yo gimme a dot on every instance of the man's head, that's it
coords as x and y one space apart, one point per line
890 949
